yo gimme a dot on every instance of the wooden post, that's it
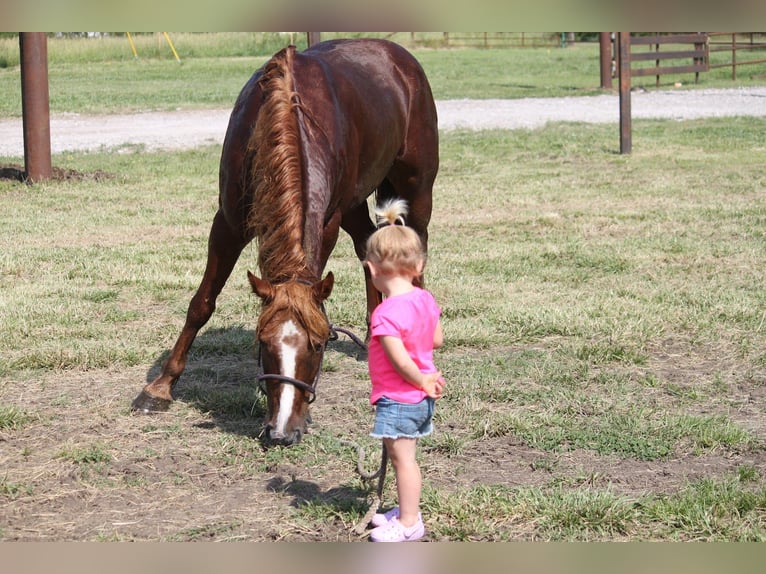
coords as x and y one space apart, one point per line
314 38
626 144
35 105
605 50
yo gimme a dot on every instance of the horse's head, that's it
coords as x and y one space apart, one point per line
292 333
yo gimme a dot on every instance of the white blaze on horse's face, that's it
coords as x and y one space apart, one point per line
289 337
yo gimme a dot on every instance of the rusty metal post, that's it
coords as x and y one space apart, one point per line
35 106
605 50
314 38
626 144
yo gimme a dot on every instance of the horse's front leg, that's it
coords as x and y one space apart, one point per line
224 248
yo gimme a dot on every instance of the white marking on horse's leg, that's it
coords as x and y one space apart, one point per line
288 355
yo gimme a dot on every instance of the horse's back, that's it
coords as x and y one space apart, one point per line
371 74
372 59
376 104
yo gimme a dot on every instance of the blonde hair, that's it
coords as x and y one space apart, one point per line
396 250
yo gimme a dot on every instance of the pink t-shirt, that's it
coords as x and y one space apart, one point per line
411 317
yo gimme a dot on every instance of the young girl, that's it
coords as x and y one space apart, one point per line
405 329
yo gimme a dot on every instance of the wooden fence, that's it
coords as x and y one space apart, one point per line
669 54
742 49
495 39
654 54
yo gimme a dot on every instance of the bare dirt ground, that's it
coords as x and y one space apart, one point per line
187 475
190 128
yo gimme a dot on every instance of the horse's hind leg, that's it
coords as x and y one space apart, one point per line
224 248
415 186
359 226
413 172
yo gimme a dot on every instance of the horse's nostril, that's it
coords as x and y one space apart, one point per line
275 435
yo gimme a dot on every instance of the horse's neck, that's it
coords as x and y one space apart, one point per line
318 190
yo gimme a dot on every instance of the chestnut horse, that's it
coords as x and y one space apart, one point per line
311 136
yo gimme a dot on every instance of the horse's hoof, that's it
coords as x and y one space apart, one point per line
147 404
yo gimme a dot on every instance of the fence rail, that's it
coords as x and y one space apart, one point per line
735 43
670 54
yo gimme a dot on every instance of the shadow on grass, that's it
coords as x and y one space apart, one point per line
341 498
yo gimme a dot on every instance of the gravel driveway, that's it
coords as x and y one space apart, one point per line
184 129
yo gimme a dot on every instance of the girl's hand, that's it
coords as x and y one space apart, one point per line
433 385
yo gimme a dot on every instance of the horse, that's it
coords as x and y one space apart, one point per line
311 137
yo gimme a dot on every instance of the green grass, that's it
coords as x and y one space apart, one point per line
10 489
96 453
709 510
12 417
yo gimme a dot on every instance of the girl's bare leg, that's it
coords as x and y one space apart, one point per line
402 452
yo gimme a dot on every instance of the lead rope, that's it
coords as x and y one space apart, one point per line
378 498
334 335
380 473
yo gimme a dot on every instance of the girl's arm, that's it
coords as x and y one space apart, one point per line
430 383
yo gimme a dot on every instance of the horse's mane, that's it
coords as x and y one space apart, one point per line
273 162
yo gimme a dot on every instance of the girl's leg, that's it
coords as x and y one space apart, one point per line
402 452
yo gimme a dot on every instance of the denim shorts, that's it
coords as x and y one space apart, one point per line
403 420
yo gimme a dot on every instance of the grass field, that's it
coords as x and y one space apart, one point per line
605 350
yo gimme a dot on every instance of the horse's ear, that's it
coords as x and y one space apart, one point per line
323 288
261 287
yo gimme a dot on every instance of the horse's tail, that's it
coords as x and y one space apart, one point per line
273 170
391 212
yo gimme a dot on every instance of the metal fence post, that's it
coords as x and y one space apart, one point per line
626 143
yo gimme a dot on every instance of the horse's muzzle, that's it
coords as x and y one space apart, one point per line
280 438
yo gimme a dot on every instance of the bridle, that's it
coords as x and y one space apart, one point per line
309 388
304 386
